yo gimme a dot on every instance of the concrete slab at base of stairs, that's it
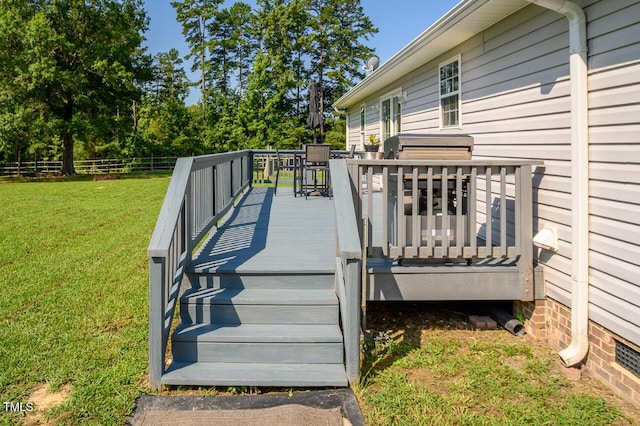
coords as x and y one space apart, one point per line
312 407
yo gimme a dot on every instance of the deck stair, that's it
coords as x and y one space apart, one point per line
256 322
259 330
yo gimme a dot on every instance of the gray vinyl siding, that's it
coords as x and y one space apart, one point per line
372 125
516 104
353 132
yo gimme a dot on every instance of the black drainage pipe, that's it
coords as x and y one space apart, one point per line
508 321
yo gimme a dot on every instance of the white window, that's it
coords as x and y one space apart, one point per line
450 91
390 115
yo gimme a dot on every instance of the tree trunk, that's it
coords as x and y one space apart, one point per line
67 153
19 158
134 113
203 87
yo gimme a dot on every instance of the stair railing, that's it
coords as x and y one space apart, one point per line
202 190
348 265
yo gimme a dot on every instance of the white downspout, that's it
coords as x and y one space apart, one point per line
579 347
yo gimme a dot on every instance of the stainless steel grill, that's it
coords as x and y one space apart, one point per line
431 147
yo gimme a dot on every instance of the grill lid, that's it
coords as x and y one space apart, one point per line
428 146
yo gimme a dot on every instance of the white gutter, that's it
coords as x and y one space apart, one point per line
579 347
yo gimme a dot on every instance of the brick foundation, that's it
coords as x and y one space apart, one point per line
550 321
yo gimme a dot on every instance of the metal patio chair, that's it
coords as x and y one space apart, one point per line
316 164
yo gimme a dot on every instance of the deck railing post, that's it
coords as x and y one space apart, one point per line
352 333
348 263
157 284
524 203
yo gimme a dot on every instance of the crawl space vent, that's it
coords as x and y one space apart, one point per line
628 358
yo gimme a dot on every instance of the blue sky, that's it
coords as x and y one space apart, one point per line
398 21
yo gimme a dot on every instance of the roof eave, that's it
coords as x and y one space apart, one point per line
463 21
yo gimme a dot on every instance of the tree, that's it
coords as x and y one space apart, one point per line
170 81
232 46
348 31
74 64
165 125
337 30
195 17
283 29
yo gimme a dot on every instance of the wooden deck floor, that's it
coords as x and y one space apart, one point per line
268 233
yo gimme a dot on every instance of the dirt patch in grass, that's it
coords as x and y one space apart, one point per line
43 399
418 325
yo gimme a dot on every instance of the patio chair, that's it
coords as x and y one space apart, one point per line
316 162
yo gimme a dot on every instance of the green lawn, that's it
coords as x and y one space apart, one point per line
73 304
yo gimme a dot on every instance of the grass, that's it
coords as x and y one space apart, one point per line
466 377
73 306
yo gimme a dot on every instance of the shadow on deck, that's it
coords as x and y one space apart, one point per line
267 233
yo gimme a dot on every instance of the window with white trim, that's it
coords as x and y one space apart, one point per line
390 115
450 91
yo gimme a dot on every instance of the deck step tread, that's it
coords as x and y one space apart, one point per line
267 267
256 296
319 280
259 313
258 333
256 374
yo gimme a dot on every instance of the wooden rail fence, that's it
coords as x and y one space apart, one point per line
100 166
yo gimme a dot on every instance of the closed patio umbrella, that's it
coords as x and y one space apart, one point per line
315 117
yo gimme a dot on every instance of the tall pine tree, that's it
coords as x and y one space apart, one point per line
195 17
